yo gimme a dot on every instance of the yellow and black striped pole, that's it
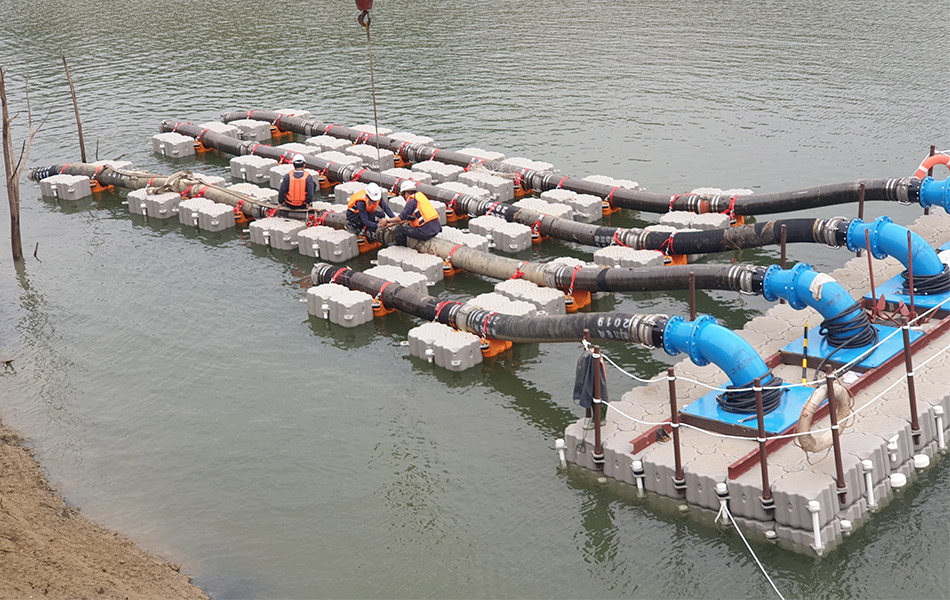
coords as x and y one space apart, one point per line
805 355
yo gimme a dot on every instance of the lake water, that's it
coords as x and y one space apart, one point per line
174 388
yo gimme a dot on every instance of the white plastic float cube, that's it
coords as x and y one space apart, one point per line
209 179
482 154
216 217
252 168
327 143
548 301
343 191
458 351
277 174
405 136
117 165
621 256
500 188
298 148
338 245
470 240
371 129
427 265
255 191
340 158
605 180
502 304
512 237
587 208
440 209
561 211
188 210
466 190
393 256
293 112
173 145
527 163
138 202
351 308
66 187
222 128
276 232
485 224
708 221
407 279
440 172
403 173
318 298
252 129
308 240
423 339
162 206
368 154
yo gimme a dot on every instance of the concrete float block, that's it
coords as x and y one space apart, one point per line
561 211
466 190
173 145
252 129
187 209
482 154
439 172
308 240
605 180
793 491
501 189
276 232
371 129
485 224
407 279
548 301
277 173
422 339
252 168
470 240
255 191
138 201
527 163
427 265
338 245
457 351
351 308
394 255
222 128
512 237
405 136
162 206
328 143
501 304
318 298
343 191
216 217
587 208
385 159
403 173
340 158
66 187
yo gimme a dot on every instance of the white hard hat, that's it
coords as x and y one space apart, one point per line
373 191
407 186
298 158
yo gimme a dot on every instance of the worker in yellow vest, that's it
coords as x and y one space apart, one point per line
297 187
420 217
365 208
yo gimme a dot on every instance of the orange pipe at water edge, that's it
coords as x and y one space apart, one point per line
577 300
674 259
492 347
325 182
365 245
96 187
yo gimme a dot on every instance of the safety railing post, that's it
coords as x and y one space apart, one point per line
910 275
588 413
860 208
598 456
783 243
930 173
911 388
867 244
835 436
692 296
767 503
679 482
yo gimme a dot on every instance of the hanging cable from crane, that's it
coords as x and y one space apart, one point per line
364 20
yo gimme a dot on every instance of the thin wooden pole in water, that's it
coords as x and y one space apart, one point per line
72 91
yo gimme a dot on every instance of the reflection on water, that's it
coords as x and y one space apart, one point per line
176 390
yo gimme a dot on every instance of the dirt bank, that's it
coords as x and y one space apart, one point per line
48 550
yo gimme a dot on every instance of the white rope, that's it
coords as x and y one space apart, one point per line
724 510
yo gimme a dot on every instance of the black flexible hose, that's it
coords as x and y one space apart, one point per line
743 402
927 285
850 328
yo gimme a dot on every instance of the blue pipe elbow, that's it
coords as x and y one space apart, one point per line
935 193
795 286
888 239
705 341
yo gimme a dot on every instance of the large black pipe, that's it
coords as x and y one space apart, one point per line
832 231
906 189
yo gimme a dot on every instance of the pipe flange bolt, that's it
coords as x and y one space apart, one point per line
699 324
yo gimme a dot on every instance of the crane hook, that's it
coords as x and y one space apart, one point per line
365 6
364 19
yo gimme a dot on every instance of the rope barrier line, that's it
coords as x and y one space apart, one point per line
724 510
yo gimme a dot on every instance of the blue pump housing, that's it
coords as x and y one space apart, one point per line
794 286
935 193
705 341
888 239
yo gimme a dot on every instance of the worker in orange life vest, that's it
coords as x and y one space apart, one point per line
421 217
365 208
297 187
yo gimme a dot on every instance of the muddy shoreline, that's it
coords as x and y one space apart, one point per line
48 549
